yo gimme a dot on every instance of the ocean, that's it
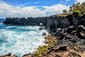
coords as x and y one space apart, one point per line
20 40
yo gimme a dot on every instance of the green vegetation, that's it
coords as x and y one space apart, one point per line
65 11
75 8
43 50
77 11
79 8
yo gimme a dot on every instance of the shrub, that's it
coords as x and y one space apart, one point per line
76 12
43 50
65 11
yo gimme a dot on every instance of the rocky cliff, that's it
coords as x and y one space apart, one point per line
69 30
51 23
55 22
24 21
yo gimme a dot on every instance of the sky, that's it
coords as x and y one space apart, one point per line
34 8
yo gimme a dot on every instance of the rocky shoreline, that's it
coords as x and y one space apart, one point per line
69 32
70 43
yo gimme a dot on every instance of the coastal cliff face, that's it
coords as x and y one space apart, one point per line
63 22
24 21
51 23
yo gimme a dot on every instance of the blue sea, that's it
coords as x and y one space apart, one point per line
20 40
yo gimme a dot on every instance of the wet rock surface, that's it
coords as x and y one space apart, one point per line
71 43
74 41
9 55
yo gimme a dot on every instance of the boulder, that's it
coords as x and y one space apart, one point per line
60 48
44 34
70 29
81 28
81 34
28 55
40 28
72 54
8 55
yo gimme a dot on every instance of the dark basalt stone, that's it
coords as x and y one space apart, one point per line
61 48
57 55
28 55
81 35
81 28
72 54
70 29
9 54
44 34
40 28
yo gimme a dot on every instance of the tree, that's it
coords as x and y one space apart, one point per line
65 11
78 4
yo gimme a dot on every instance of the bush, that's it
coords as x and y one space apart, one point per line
65 11
76 12
43 50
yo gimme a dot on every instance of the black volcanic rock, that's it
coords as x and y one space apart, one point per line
24 21
44 34
81 34
51 23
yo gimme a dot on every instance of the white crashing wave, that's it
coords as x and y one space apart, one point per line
20 40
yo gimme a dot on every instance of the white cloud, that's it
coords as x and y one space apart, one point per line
80 1
55 9
7 10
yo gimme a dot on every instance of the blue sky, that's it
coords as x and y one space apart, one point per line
34 8
38 2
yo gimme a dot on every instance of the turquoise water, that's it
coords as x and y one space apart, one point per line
20 40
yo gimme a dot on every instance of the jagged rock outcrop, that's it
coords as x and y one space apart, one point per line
51 22
70 43
25 21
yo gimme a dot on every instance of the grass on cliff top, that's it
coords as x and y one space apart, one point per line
63 15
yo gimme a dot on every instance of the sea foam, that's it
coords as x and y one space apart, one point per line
20 40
